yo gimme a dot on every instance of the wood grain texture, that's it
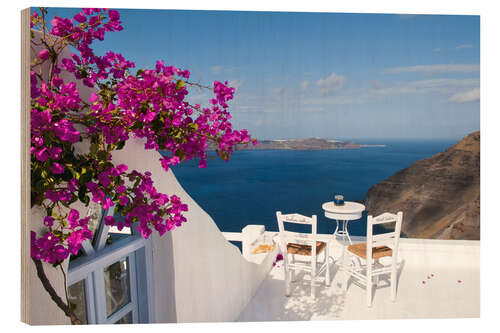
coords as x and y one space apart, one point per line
25 164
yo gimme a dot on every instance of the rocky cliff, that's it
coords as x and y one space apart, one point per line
439 196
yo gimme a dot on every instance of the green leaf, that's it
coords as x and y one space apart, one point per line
120 145
82 191
179 84
85 178
73 198
94 148
102 155
68 174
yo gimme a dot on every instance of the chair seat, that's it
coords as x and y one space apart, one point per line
304 249
377 252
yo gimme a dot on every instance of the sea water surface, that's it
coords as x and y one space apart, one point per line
253 185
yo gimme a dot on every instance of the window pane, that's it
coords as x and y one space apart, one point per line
127 319
76 295
114 234
95 212
117 284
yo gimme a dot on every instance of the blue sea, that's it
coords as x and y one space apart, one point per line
253 185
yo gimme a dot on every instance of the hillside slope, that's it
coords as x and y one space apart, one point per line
439 196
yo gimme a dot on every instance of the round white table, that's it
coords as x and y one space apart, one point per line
347 212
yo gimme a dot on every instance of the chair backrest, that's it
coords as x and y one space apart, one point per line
390 239
287 236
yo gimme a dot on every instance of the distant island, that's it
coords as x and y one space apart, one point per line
304 144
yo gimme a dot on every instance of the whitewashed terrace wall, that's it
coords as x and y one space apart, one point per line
212 281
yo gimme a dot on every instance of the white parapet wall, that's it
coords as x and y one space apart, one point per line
197 272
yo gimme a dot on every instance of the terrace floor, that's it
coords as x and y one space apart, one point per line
453 292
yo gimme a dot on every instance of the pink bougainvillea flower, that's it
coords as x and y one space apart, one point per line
43 54
42 154
73 217
121 189
48 221
123 200
38 141
109 220
122 168
55 153
57 168
107 203
80 17
93 98
68 65
114 15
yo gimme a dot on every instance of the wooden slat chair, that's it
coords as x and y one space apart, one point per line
376 247
299 252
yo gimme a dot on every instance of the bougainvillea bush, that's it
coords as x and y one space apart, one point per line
150 104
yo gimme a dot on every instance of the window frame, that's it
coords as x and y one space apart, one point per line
90 268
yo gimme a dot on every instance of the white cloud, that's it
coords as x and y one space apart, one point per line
437 49
466 96
464 46
441 85
217 69
304 85
235 83
331 83
222 69
440 68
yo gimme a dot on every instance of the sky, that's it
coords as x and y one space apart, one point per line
327 75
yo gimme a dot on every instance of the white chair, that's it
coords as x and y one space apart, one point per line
299 254
363 259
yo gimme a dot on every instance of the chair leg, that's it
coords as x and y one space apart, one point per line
292 272
369 285
393 282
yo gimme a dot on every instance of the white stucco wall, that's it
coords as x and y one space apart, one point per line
42 310
212 280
